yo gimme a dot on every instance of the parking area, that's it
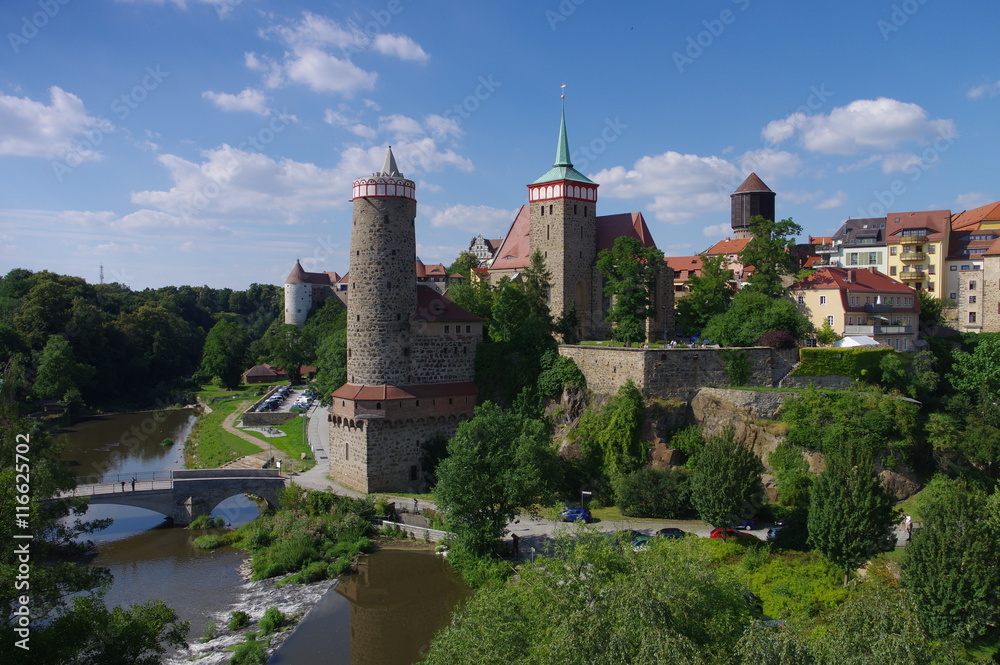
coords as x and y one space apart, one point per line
287 400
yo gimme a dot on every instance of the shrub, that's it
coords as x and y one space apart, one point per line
238 619
651 492
206 522
209 632
557 372
208 542
777 339
249 652
272 620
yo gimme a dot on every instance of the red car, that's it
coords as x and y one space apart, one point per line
726 532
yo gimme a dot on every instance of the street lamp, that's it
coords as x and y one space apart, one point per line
583 496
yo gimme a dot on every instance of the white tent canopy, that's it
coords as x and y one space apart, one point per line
855 340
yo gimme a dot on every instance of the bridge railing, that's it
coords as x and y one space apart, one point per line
123 477
120 487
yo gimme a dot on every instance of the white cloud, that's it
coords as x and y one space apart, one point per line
800 196
222 7
717 230
400 46
491 222
400 125
682 186
119 248
248 99
323 72
440 127
60 130
899 161
770 163
971 200
835 201
985 90
867 161
338 119
879 124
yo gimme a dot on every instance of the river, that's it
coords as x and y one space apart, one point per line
386 614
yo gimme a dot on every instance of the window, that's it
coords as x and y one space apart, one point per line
855 300
965 267
975 267
852 259
447 329
972 317
931 249
874 257
892 251
850 320
952 295
822 300
829 319
888 301
931 270
868 300
892 270
972 285
953 268
468 329
801 300
930 286
972 300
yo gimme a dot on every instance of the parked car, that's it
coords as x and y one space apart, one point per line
670 532
639 542
727 532
772 533
748 525
574 514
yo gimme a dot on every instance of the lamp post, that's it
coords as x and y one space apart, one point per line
583 496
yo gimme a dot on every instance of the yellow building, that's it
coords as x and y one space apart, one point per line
917 245
860 302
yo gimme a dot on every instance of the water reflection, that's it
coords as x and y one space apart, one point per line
397 601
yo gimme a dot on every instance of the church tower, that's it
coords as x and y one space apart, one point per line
410 352
751 198
563 212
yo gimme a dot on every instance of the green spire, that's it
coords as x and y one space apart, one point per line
562 149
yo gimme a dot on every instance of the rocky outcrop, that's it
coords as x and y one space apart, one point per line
751 414
901 482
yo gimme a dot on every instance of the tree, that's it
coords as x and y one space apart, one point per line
826 334
224 355
289 348
331 365
770 253
752 314
652 492
725 483
710 294
630 272
58 371
932 310
611 445
464 264
851 516
980 369
498 463
951 563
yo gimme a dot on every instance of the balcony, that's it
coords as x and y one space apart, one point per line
913 240
912 276
912 256
877 308
878 330
827 249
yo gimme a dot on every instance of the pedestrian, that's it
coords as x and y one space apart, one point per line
909 527
123 485
416 506
133 483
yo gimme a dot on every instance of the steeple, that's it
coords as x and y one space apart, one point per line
389 167
562 148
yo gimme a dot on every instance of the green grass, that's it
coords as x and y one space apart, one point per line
292 444
211 446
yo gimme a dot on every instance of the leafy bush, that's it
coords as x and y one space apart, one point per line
857 363
249 652
797 586
557 372
209 632
238 619
777 339
737 366
272 620
689 440
206 522
208 542
651 492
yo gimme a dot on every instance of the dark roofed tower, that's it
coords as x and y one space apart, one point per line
382 294
563 211
751 198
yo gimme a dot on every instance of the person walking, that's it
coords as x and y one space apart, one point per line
416 506
133 483
909 527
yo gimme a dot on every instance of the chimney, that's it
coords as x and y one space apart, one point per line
852 275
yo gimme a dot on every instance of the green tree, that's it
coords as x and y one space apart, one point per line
287 347
652 492
770 253
464 264
978 370
752 314
826 334
498 463
791 470
331 365
611 445
725 483
630 273
224 355
59 372
711 293
932 310
851 516
951 564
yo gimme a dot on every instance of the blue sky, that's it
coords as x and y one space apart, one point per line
215 141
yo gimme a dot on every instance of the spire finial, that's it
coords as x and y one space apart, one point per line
563 95
562 148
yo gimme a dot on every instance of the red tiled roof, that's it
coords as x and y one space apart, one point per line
994 249
628 224
810 261
370 393
515 251
969 220
935 221
851 280
820 240
727 246
432 306
261 370
752 184
683 266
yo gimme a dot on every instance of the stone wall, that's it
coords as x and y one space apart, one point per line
673 373
991 294
444 359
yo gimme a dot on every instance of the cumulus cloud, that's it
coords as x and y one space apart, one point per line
899 161
681 186
249 99
492 222
717 230
971 200
989 89
864 124
352 125
222 7
770 163
308 58
57 130
835 201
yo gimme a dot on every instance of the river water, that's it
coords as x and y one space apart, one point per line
386 614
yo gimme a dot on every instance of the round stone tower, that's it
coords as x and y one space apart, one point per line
751 198
383 294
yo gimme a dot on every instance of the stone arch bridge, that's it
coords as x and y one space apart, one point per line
185 494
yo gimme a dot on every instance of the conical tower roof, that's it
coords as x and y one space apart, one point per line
298 275
389 167
753 183
563 167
